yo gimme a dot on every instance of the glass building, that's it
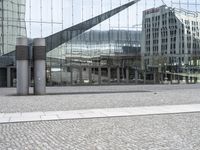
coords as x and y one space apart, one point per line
109 52
102 50
12 25
12 17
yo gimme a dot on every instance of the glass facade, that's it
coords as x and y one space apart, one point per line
12 18
113 43
107 52
93 49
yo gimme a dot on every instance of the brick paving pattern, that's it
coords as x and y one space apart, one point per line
162 132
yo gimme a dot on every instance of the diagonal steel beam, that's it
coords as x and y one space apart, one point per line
66 35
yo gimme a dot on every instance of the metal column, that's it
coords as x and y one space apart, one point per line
22 56
39 57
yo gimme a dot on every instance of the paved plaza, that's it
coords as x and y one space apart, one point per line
93 97
142 117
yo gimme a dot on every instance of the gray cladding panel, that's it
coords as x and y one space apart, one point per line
22 53
39 52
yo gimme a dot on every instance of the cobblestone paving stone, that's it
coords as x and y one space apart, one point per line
160 95
155 132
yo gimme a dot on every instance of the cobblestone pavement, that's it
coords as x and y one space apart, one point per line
158 132
92 97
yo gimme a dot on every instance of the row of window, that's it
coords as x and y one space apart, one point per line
173 48
172 60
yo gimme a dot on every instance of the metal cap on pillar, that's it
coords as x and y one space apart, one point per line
22 57
39 58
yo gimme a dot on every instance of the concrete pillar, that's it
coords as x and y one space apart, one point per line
8 77
71 75
50 77
158 77
187 80
118 75
127 75
80 75
191 80
136 76
90 74
178 79
154 77
145 77
22 56
195 80
39 57
109 74
161 77
99 74
122 72
30 74
171 78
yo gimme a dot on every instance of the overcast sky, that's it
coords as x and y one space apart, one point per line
75 11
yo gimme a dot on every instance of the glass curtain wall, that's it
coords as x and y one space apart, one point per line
110 52
12 17
12 25
105 44
114 43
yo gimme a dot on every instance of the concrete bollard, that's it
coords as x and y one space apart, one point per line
39 57
22 56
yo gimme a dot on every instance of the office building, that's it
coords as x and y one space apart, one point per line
170 37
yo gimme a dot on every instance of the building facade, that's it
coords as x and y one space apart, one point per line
111 51
170 37
12 23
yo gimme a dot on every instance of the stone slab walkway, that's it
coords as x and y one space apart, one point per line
97 113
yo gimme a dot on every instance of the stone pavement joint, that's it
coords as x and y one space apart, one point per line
97 113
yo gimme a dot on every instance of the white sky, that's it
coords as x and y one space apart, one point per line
85 9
